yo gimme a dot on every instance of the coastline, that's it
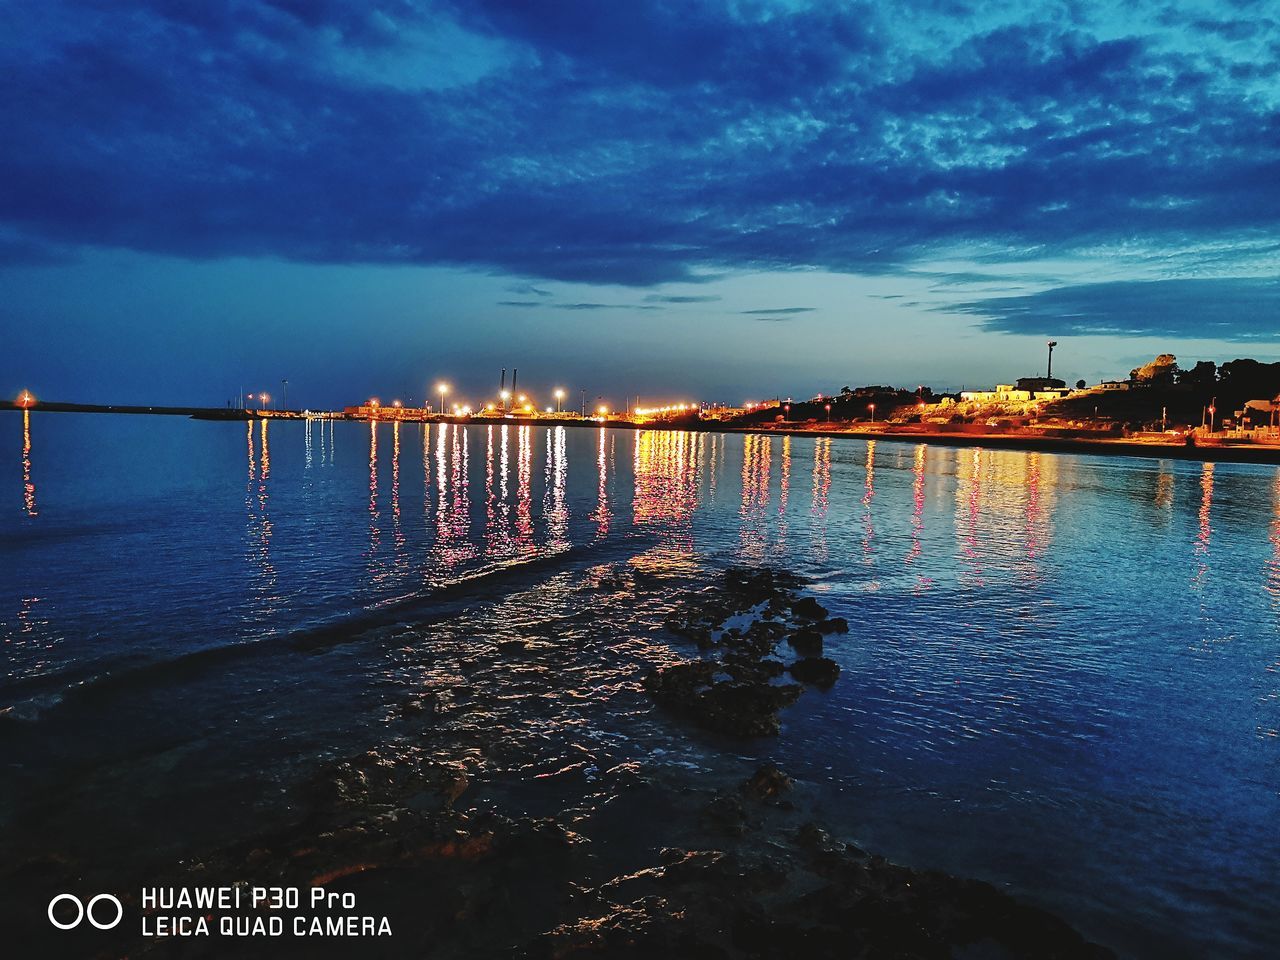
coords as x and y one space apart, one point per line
1214 451
570 813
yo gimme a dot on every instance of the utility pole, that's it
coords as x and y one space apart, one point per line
1048 374
284 394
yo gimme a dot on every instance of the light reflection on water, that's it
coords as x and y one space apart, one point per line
28 486
1068 647
264 597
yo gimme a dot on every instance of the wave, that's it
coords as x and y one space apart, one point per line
81 685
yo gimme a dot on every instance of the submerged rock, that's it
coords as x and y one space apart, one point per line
767 782
834 625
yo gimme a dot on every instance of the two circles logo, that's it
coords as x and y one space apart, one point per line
99 915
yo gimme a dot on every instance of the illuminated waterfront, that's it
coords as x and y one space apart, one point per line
1062 672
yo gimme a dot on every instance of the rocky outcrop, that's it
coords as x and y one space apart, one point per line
738 625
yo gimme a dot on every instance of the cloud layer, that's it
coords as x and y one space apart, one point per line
637 144
1244 310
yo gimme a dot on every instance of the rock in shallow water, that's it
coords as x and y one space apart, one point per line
808 608
743 708
806 642
820 671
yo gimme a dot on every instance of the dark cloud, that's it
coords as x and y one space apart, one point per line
23 252
777 310
973 277
528 289
687 46
661 298
1242 309
624 143
577 306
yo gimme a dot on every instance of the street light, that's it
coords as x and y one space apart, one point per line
828 409
872 408
262 399
26 400
442 389
559 397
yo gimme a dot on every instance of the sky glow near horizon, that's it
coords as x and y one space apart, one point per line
720 201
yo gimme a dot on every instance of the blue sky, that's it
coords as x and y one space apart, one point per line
699 199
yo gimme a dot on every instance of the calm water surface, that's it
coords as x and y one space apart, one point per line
1063 673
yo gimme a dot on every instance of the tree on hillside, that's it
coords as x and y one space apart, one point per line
1202 376
1249 379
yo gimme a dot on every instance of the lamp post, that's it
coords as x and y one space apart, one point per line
828 409
872 408
559 398
442 389
262 399
1048 373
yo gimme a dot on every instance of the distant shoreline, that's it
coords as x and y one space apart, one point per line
913 433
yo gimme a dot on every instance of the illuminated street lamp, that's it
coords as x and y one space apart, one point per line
442 389
602 411
559 397
505 395
262 400
872 408
828 409
26 400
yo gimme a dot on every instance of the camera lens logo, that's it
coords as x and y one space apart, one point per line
91 911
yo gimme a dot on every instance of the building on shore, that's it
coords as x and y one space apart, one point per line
1026 390
373 410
